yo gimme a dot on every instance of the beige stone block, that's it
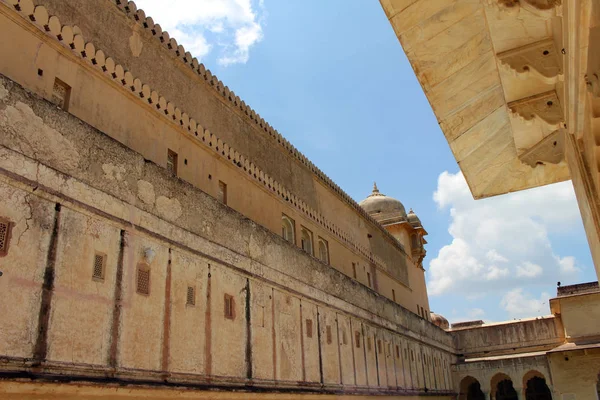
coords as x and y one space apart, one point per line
479 109
481 136
438 23
468 83
448 64
417 12
392 7
431 52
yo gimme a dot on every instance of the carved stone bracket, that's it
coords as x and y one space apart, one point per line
541 57
551 150
541 8
545 107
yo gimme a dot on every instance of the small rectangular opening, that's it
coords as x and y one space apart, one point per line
354 270
357 339
379 347
309 328
61 94
222 195
328 334
172 162
344 338
229 307
369 278
397 351
394 295
40 72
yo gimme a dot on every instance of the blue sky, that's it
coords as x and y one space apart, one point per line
333 79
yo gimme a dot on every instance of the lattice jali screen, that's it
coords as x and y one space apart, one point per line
99 263
191 296
3 236
143 281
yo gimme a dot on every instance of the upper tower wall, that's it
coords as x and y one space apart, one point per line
156 59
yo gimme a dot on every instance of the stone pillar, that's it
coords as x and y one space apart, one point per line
586 193
520 393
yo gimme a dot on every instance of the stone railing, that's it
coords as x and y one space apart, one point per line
71 37
589 287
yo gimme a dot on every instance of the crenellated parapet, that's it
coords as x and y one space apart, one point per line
72 38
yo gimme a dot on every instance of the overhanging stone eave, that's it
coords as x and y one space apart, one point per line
456 63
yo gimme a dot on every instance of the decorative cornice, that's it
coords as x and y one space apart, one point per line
72 38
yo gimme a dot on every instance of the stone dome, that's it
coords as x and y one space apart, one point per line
378 203
413 219
439 321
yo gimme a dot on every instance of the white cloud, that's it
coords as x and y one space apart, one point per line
501 242
494 256
520 304
231 27
529 270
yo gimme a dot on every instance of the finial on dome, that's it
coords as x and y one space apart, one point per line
375 190
411 211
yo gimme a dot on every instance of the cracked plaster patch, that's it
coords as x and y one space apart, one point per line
146 192
169 209
136 44
27 133
254 248
113 172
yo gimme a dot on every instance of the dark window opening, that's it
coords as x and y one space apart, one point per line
229 307
309 328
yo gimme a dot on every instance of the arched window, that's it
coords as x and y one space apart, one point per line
323 250
288 228
307 240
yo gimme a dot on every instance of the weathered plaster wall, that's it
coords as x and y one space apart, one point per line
575 374
114 202
580 315
50 391
96 99
513 336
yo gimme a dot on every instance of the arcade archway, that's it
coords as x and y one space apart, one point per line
536 387
502 388
470 389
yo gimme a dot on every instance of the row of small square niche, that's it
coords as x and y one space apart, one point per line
143 283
